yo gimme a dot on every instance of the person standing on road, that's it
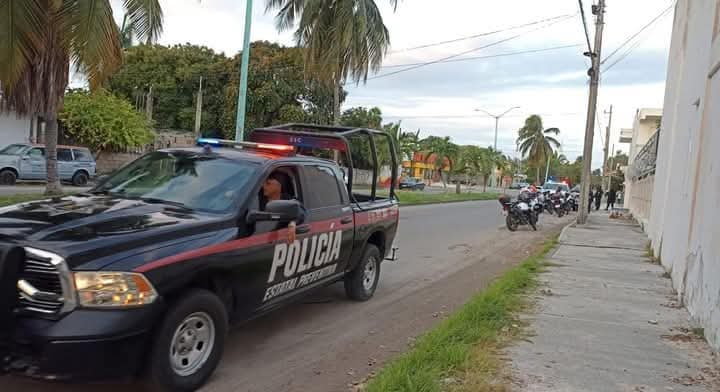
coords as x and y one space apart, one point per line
598 198
590 200
611 197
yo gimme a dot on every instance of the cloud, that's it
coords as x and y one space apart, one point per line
553 83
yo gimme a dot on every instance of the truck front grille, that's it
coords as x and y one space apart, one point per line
43 286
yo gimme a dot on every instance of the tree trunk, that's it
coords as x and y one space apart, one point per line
336 103
457 188
51 137
537 175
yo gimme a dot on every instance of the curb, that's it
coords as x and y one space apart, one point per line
563 233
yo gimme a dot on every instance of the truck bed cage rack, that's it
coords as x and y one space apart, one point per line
339 134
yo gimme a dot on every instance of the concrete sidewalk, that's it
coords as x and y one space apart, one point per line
608 320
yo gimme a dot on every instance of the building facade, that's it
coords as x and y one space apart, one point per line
14 129
640 174
684 227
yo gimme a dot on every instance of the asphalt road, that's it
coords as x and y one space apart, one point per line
447 253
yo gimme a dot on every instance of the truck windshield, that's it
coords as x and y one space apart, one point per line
14 149
195 181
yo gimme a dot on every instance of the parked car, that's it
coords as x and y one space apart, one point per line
142 274
412 184
27 162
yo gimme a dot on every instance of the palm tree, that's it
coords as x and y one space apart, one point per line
41 37
342 38
442 153
536 143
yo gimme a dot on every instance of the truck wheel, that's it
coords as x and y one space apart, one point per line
189 342
360 284
80 179
7 177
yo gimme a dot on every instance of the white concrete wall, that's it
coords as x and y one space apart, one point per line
638 199
684 225
13 129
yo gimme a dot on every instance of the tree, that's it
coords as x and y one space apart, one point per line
441 152
342 38
362 117
536 143
277 92
103 121
39 38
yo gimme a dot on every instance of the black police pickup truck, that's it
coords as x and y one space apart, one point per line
142 274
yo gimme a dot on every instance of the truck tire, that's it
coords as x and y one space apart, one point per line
360 283
189 343
80 179
7 177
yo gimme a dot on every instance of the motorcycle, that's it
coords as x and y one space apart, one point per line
558 204
572 203
519 212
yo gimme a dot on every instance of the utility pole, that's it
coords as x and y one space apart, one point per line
606 163
198 109
242 89
493 180
594 73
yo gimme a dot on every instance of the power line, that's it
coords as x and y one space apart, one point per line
449 116
623 56
464 38
655 19
487 57
465 52
280 67
584 22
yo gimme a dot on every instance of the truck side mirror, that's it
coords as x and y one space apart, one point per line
278 211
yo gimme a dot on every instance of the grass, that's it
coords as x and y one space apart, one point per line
409 198
463 352
699 332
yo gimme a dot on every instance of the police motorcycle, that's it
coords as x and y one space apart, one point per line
523 211
559 205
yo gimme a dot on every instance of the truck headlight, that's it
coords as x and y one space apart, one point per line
113 289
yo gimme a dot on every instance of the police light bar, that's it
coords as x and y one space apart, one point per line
203 141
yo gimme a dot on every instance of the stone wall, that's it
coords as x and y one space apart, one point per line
110 161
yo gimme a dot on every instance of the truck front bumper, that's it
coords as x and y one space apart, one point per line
83 345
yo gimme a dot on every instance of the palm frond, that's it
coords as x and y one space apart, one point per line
556 131
23 32
146 17
91 38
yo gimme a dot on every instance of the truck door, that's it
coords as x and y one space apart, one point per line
34 165
329 213
65 163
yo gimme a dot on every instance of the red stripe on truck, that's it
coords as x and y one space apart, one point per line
242 243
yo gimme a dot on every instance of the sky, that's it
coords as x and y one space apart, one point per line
441 99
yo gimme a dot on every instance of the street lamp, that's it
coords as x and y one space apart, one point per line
497 120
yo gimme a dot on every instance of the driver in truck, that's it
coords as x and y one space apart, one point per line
278 186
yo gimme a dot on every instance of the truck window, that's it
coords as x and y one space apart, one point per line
37 152
63 154
82 155
322 187
288 178
384 156
363 165
199 182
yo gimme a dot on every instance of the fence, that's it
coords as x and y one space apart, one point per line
644 162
